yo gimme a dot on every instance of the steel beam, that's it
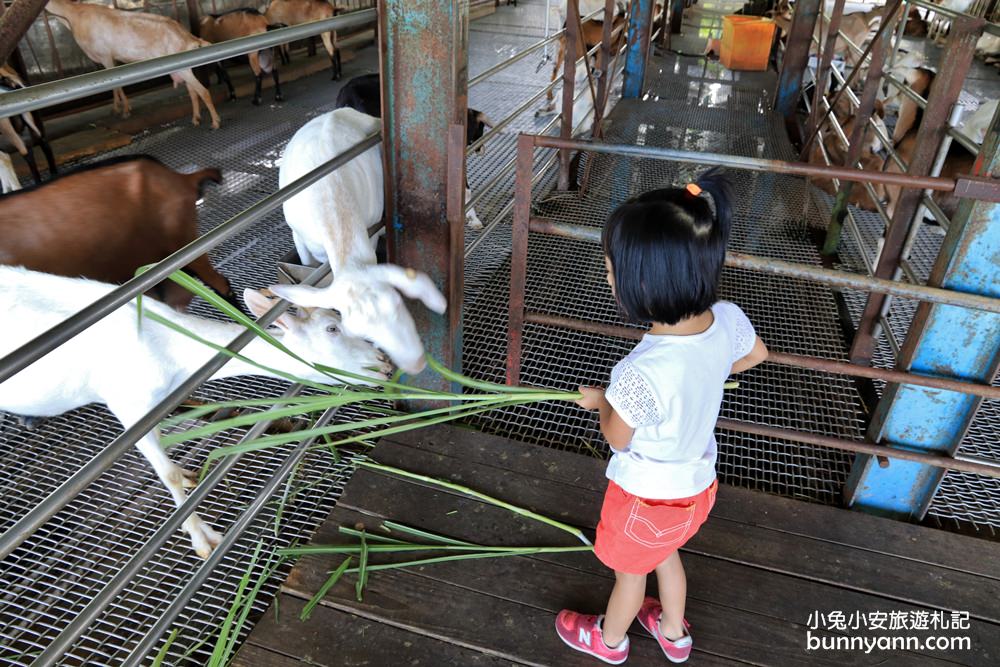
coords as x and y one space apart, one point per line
794 63
945 341
943 94
640 28
424 66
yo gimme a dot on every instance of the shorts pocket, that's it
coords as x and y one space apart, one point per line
712 492
658 526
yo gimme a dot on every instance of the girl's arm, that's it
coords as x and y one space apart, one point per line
615 430
757 355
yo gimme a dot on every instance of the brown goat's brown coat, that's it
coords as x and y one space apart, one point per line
105 222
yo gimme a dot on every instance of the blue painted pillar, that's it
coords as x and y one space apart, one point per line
640 28
424 68
944 341
795 60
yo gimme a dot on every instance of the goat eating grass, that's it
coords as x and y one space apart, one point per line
109 35
131 370
330 222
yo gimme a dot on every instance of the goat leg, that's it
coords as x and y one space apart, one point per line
224 78
278 97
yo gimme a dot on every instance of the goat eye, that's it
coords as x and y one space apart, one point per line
332 329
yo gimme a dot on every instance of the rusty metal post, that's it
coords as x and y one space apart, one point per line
424 60
866 105
15 22
956 59
519 255
944 341
822 78
640 29
795 61
604 67
572 41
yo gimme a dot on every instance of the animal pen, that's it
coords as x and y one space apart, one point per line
880 393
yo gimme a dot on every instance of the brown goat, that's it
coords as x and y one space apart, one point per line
105 221
593 33
217 28
294 12
958 162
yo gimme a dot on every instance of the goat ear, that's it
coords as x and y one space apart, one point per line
305 296
259 303
413 284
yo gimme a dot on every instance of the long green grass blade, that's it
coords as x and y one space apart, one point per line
416 532
372 537
359 587
480 496
314 549
227 625
251 597
323 590
473 556
161 655
198 411
460 379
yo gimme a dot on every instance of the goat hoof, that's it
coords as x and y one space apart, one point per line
279 98
232 97
30 423
255 101
189 478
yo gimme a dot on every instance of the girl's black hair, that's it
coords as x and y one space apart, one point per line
666 249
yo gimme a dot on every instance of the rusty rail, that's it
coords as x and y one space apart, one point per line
523 224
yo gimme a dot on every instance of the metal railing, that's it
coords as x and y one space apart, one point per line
519 316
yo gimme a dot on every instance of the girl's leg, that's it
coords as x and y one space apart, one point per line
624 604
673 592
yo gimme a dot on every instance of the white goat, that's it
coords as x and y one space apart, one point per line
109 35
8 177
330 222
976 125
131 369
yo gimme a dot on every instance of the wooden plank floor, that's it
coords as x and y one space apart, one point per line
756 572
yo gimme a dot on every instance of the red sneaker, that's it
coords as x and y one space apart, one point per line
583 633
649 617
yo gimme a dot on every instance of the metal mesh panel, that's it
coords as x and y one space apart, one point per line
696 106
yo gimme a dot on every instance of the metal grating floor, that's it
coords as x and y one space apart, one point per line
49 579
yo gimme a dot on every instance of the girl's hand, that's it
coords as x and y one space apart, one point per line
592 398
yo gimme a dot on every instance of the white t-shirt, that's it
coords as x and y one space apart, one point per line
669 389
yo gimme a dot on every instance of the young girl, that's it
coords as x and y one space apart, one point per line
664 252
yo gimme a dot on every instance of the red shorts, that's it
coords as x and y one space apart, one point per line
635 535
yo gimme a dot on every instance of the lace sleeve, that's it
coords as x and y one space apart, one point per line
632 397
743 332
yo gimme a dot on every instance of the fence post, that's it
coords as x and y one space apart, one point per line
424 103
640 28
794 63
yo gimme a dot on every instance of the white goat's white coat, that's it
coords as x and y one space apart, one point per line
130 370
8 177
330 222
976 125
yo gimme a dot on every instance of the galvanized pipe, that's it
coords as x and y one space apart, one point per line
138 654
75 87
784 359
990 27
41 345
751 164
817 274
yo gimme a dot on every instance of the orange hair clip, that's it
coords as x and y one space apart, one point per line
693 189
